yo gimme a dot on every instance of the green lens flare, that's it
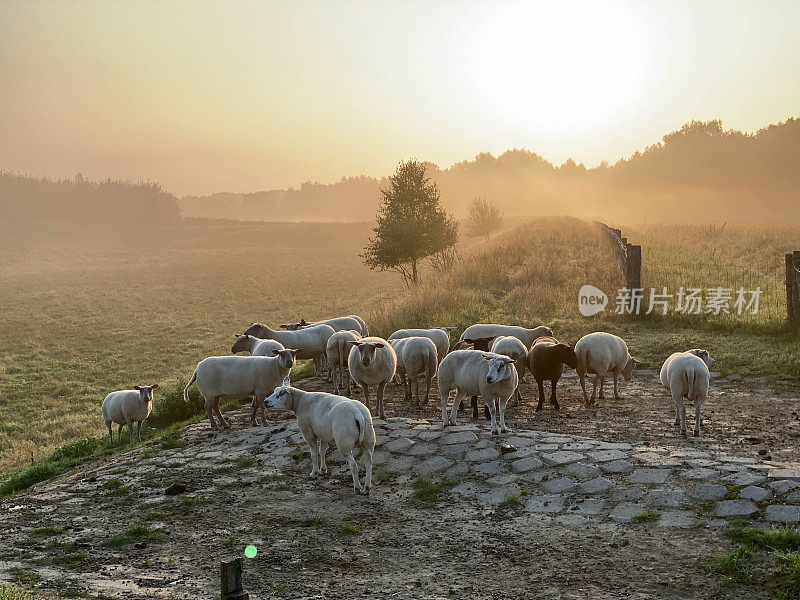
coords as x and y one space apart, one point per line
250 552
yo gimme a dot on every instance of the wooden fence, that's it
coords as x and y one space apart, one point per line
629 255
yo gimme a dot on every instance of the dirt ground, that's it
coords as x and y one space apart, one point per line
318 539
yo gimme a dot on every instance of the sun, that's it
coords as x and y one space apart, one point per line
557 65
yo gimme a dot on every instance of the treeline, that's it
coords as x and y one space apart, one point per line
81 200
700 171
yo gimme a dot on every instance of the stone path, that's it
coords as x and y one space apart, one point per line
583 478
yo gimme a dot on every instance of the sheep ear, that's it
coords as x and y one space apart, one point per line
485 357
137 387
276 352
511 361
298 351
286 382
285 326
154 386
379 345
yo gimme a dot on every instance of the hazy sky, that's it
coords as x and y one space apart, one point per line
206 96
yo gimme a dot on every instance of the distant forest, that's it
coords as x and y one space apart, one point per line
700 171
81 200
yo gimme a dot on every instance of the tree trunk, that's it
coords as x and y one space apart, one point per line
414 273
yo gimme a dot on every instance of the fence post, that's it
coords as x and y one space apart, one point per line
634 266
231 580
790 285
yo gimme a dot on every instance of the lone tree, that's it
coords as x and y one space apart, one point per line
412 225
484 217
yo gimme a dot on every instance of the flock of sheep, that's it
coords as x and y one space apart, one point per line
488 361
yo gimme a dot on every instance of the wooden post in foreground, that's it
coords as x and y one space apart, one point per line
231 580
790 285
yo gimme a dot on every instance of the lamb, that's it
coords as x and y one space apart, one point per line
416 357
372 361
484 345
513 348
526 336
324 418
255 346
685 375
238 377
311 340
351 322
126 407
440 336
337 352
546 360
492 376
599 353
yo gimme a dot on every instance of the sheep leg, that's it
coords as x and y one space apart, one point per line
492 411
406 387
262 409
678 399
453 411
582 377
698 422
381 387
138 431
253 411
353 468
541 396
677 415
602 394
313 444
502 402
474 403
416 389
110 434
517 397
367 460
617 395
119 433
222 419
553 399
365 389
428 390
130 431
209 403
323 449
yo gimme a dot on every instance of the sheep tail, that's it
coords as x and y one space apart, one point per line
188 385
691 382
361 425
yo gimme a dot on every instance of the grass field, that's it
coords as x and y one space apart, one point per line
90 310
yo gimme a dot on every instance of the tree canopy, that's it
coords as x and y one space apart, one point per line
411 224
485 217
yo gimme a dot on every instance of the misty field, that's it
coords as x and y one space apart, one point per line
88 310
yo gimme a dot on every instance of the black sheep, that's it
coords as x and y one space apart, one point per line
546 360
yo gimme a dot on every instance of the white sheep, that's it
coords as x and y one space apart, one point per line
237 377
311 340
599 353
512 347
126 407
351 322
255 346
440 336
686 375
416 357
337 351
372 361
324 418
491 330
476 373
